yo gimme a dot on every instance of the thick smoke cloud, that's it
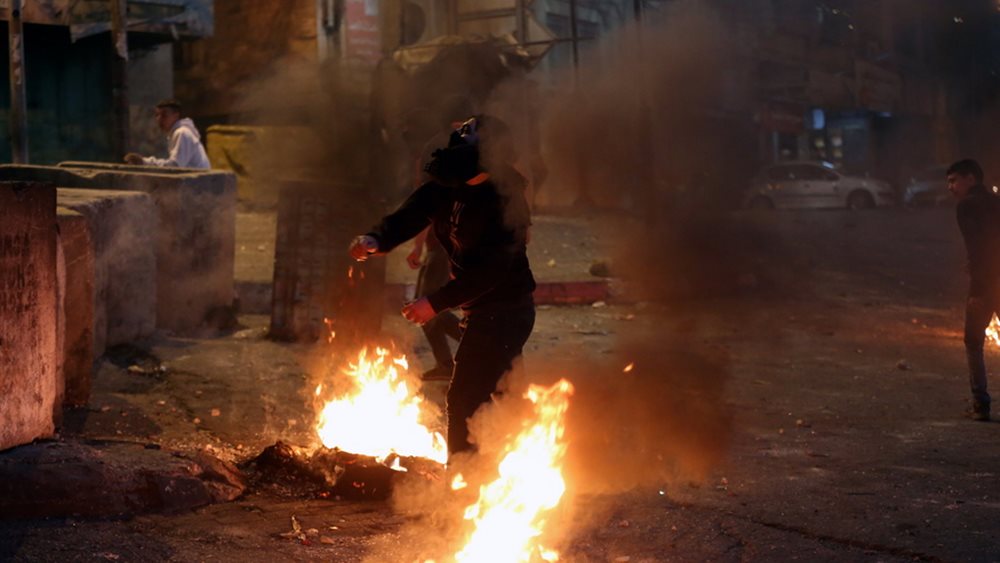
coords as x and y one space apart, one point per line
629 132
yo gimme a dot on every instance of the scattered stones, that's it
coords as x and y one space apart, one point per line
600 269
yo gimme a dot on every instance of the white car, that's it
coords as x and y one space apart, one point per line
815 185
928 188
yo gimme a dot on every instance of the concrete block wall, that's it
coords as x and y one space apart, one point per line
28 309
314 278
79 300
121 227
195 238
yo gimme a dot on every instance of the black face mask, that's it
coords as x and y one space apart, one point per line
454 165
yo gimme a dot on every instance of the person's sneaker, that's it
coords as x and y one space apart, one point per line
439 373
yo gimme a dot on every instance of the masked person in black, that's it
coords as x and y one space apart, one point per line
475 205
978 214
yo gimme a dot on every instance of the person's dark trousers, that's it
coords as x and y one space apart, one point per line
978 314
489 347
434 274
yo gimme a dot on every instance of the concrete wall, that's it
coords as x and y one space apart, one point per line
252 39
195 237
28 296
121 227
314 279
79 301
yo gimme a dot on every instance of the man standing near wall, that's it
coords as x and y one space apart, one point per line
979 220
184 141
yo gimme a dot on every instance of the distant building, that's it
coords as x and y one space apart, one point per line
68 57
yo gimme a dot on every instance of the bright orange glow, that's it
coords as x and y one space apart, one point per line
993 331
510 515
629 368
381 414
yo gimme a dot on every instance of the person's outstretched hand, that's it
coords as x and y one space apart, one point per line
419 311
362 247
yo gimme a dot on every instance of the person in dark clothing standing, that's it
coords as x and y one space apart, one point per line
479 214
978 215
432 261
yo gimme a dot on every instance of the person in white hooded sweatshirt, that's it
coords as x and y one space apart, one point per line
186 150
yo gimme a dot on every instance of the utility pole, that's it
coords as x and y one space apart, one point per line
574 36
521 20
119 76
18 98
645 192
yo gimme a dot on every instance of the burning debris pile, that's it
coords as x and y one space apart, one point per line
293 471
381 413
372 424
375 432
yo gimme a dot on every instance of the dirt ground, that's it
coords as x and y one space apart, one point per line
847 393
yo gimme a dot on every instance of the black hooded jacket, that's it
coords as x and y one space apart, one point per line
979 220
483 228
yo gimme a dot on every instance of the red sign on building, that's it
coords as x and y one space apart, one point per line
363 42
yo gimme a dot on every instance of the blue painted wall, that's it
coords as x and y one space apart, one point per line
69 99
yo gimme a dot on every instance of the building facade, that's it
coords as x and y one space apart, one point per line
68 66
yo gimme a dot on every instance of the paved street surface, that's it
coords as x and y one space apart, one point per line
846 387
565 248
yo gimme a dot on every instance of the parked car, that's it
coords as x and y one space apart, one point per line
814 185
927 188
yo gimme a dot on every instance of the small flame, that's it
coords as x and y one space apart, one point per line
329 326
510 514
629 367
993 331
382 415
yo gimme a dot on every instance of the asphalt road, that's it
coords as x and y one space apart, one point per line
842 390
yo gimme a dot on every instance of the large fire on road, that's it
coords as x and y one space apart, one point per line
381 413
510 514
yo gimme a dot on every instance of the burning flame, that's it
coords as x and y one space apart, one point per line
510 514
993 331
382 415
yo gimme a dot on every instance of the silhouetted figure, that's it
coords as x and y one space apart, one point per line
479 214
978 215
